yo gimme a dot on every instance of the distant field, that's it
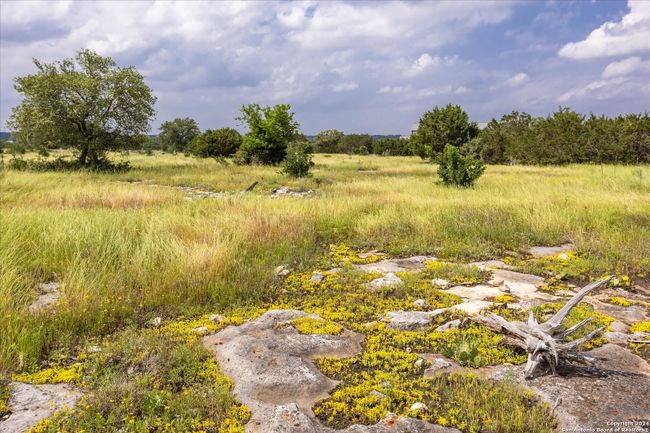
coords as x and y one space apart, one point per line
125 252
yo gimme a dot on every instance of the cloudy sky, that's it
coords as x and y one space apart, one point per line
359 67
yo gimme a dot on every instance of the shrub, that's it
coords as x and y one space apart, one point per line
220 143
442 126
270 131
298 160
458 170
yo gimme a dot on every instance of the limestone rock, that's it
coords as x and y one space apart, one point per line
397 265
439 282
316 277
31 403
539 252
50 293
418 407
272 365
199 330
616 388
388 280
284 191
411 320
420 303
452 324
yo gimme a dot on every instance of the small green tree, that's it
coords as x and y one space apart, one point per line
328 141
442 126
88 103
219 143
176 135
270 129
457 170
298 160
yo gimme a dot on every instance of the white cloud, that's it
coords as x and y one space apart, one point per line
597 89
394 89
460 90
425 61
630 35
344 87
626 67
517 79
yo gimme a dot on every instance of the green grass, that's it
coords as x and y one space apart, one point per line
126 252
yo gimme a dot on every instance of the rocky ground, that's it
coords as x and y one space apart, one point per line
277 373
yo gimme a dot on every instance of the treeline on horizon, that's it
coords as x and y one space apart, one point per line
564 136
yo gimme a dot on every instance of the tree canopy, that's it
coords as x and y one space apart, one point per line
218 143
442 126
86 102
176 135
270 130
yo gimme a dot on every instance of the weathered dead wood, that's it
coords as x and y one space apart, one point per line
546 342
252 186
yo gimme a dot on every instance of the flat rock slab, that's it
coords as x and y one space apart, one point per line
271 364
397 265
478 293
631 314
411 320
539 252
31 403
290 419
524 286
616 388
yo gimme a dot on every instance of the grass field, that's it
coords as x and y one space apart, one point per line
126 252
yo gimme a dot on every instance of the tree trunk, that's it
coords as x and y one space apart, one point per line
83 155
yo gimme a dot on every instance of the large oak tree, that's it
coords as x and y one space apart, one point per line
86 102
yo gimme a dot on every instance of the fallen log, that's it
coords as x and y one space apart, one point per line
546 342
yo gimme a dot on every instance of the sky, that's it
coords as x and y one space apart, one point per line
368 67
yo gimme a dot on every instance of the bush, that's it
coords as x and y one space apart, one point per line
270 131
298 160
220 143
442 126
458 170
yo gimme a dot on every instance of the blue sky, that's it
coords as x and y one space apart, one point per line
360 66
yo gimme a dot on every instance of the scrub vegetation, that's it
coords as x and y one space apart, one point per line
129 247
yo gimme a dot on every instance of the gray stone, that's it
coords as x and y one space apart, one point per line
616 337
50 293
216 318
397 265
420 303
452 324
439 282
524 286
316 277
388 280
199 330
619 327
616 388
476 293
472 307
418 407
272 366
490 264
539 252
284 191
290 418
31 403
411 320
